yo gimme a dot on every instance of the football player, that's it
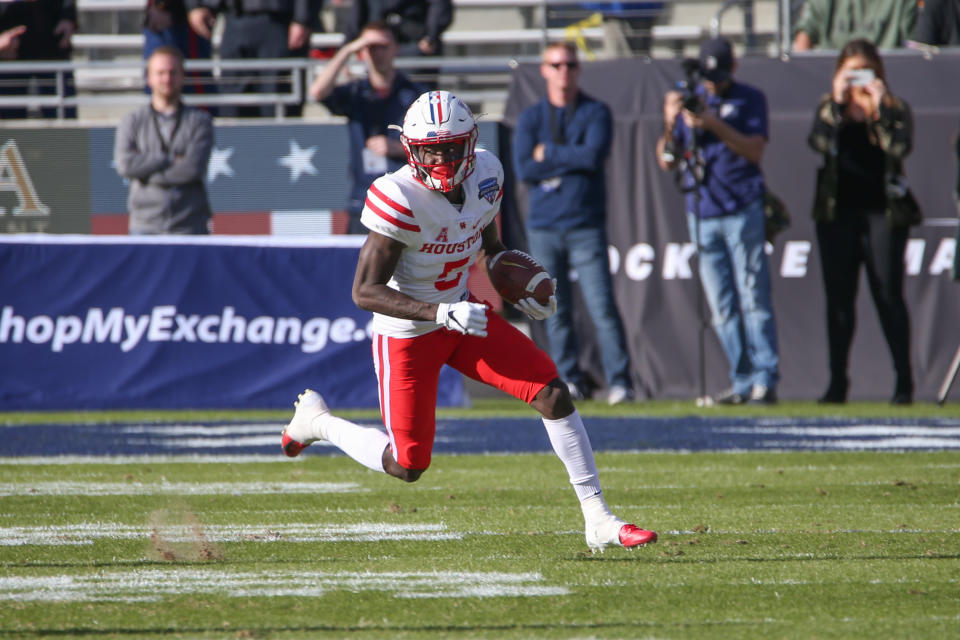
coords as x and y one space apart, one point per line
428 222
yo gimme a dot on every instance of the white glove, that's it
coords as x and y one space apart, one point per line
466 317
536 311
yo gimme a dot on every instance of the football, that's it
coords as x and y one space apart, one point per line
516 275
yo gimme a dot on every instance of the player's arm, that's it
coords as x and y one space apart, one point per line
378 260
492 245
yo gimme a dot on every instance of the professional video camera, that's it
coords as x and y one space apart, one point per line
690 100
688 86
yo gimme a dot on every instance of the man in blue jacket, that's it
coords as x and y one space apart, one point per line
560 147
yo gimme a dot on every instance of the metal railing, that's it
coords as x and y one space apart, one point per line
294 75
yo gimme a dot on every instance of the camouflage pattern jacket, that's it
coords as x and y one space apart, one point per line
893 132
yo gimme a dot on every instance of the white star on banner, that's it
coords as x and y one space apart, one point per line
298 161
219 164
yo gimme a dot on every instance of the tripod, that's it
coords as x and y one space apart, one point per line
691 163
951 376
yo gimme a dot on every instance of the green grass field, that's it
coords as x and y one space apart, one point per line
752 545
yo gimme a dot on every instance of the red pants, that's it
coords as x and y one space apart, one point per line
409 370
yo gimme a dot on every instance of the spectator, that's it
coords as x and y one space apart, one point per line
726 220
371 105
829 24
560 147
256 29
36 30
163 148
938 23
417 24
165 23
863 132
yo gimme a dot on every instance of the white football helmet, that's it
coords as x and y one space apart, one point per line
440 117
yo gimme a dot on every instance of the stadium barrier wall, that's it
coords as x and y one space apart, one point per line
183 322
289 180
654 259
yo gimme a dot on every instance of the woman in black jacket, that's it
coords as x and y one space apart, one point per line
863 132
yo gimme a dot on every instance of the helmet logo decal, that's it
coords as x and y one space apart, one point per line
436 108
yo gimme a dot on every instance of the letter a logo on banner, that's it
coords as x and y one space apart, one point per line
14 177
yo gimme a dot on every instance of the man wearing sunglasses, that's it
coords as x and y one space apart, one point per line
560 147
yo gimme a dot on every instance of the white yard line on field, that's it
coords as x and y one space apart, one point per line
173 488
154 584
88 533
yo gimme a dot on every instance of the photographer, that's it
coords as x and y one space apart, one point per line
719 127
863 132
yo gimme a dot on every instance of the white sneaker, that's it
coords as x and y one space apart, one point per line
618 394
304 430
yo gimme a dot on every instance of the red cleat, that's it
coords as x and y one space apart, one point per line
633 536
291 448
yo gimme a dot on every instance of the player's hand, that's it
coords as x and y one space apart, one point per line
536 311
468 318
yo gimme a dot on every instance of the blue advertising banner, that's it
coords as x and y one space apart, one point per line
166 322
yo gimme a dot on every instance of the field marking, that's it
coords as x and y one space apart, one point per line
852 430
153 584
152 458
174 488
214 443
892 444
88 533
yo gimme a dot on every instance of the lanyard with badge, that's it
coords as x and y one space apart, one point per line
164 144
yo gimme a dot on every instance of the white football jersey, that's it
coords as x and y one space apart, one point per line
441 242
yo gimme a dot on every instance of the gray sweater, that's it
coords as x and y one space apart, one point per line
167 194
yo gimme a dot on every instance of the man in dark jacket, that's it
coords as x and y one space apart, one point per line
561 145
258 29
36 30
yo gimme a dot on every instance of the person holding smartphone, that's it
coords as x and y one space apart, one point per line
863 132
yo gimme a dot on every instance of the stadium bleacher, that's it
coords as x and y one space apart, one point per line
486 39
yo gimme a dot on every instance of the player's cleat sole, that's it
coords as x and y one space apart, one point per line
301 432
633 536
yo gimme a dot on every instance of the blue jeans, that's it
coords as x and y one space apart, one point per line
584 251
736 281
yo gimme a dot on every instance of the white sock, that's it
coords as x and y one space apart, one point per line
595 510
572 445
363 444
